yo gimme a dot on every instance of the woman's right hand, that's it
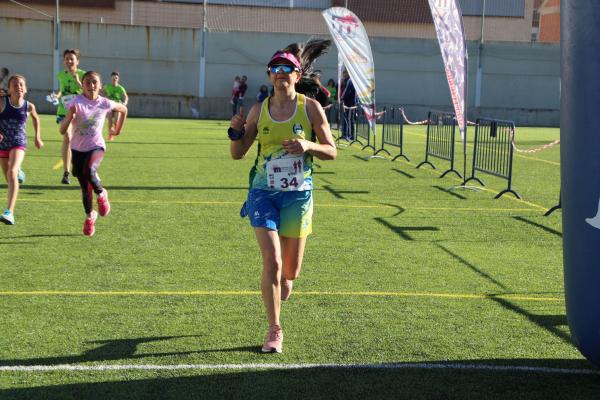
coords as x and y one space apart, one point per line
237 122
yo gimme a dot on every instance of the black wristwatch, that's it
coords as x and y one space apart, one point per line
235 135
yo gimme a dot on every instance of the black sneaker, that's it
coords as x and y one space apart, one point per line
66 179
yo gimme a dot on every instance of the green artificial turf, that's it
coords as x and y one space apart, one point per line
398 270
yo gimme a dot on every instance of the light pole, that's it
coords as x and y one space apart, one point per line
202 70
56 50
479 60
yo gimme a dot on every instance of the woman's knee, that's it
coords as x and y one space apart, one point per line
272 263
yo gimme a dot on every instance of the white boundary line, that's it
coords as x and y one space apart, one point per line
393 366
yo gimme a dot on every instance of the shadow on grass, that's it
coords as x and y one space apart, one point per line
339 193
406 174
39 235
535 224
441 189
46 187
118 142
110 187
547 322
361 158
399 209
119 349
472 267
410 381
402 231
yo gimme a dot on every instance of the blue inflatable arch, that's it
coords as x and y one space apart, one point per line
580 170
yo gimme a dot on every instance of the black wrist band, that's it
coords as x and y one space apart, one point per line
235 135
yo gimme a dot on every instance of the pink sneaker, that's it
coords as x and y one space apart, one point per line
274 340
88 226
286 288
103 204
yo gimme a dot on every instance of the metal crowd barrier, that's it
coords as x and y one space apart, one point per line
393 132
493 151
441 132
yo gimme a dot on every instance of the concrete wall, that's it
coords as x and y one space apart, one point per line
160 69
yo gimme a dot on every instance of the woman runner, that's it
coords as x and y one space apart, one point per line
291 128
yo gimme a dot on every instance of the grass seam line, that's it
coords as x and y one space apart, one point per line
257 293
274 366
160 202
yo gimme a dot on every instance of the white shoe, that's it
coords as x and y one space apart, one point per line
7 217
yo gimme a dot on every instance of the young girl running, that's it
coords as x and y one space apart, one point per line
87 113
69 85
290 129
13 119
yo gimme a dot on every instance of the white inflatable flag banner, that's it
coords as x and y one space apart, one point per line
447 18
353 46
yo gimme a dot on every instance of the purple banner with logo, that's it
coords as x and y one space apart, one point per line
447 18
353 46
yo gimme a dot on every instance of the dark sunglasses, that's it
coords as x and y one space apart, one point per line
282 69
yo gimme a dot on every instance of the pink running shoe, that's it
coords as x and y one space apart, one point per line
286 288
274 340
103 204
88 226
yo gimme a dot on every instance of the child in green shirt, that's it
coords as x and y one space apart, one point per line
69 86
115 92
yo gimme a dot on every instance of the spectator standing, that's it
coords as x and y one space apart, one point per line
262 94
234 89
349 102
239 104
332 87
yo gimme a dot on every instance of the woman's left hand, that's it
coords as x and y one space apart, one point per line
296 146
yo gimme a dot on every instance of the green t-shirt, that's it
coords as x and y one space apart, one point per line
68 88
115 93
332 93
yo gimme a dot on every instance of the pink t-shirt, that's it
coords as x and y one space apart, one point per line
89 121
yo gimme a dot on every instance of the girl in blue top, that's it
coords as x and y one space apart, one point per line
290 129
13 141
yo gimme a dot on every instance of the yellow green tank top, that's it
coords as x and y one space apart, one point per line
274 168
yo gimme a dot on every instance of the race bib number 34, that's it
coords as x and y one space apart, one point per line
286 174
